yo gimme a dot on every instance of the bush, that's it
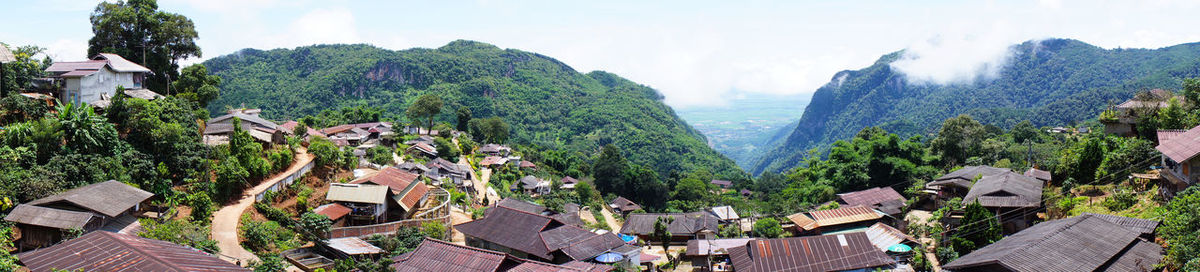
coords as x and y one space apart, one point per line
434 229
266 236
181 232
269 263
314 226
767 228
1119 201
202 206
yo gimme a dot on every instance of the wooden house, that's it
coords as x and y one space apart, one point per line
841 252
97 78
45 221
686 226
840 219
367 202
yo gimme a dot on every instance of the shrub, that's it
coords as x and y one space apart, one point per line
434 229
767 228
202 206
181 232
1119 201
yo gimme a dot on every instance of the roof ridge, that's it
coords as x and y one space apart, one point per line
1057 231
116 237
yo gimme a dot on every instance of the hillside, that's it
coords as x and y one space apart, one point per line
1048 82
547 103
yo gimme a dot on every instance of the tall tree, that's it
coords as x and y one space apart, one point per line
662 231
464 118
426 107
979 228
609 169
139 32
196 85
19 74
959 138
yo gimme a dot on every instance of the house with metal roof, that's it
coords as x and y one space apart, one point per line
713 254
1179 150
531 185
884 199
840 219
957 183
218 129
822 253
684 227
536 236
1123 119
97 78
624 206
107 251
406 190
367 202
44 221
495 150
1087 242
1014 196
436 256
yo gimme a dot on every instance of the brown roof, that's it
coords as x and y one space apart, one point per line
684 224
569 180
1181 147
333 210
624 204
527 164
436 255
412 198
698 247
336 129
108 198
403 184
884 236
1039 174
1081 243
1006 190
107 251
512 229
593 246
490 160
802 221
521 205
963 177
722 183
875 197
589 267
811 253
842 215
48 217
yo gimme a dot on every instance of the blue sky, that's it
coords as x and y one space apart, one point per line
697 53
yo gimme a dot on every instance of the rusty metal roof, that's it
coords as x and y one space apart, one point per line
107 251
436 255
811 253
871 196
48 217
333 210
844 215
354 246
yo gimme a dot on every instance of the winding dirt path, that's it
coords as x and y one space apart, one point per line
225 221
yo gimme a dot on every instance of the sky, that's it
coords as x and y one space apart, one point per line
697 53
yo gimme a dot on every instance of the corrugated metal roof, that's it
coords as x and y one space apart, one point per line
811 253
699 247
844 215
510 228
435 255
108 198
121 64
803 221
67 66
1042 175
333 210
871 197
684 224
1006 190
521 205
354 246
1081 243
5 55
725 213
884 236
107 251
48 217
357 193
1181 147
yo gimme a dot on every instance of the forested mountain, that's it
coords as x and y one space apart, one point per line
1048 82
547 103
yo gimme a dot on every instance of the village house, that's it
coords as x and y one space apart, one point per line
97 79
218 130
834 220
336 213
624 206
957 183
421 149
1179 149
712 254
535 236
1089 242
531 185
495 150
841 252
434 255
570 215
360 134
413 168
1014 197
45 221
1122 120
1039 174
568 183
107 251
367 203
726 214
406 191
884 199
723 184
290 127
493 162
686 226
442 170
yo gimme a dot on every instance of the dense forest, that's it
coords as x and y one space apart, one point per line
1050 82
548 104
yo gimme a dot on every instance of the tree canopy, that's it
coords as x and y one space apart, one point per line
138 31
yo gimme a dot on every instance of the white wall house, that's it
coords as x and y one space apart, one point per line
96 79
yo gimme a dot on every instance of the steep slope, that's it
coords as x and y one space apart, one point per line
1047 82
546 102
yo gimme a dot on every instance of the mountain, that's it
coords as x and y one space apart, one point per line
546 102
1048 82
745 126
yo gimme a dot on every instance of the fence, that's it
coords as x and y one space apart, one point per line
389 228
284 182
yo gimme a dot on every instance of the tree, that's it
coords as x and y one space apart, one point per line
662 231
84 131
314 226
609 169
1090 156
767 228
491 129
1023 131
18 75
139 32
446 149
426 107
690 189
979 228
301 130
464 117
958 139
325 151
1179 229
196 85
202 206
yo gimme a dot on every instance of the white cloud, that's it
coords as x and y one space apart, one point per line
327 25
960 56
67 50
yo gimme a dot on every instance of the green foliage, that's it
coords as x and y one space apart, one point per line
202 206
979 228
463 115
1179 229
183 232
1119 201
405 239
19 74
8 261
615 175
196 85
380 155
542 101
1048 82
326 153
959 138
426 107
139 32
313 226
446 149
346 115
489 130
731 231
434 229
268 236
662 231
16 109
268 263
767 228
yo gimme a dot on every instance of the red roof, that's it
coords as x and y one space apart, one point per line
527 164
1181 147
490 160
810 253
289 126
569 180
108 251
337 129
334 211
436 255
399 182
871 196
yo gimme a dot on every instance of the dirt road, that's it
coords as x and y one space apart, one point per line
225 221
